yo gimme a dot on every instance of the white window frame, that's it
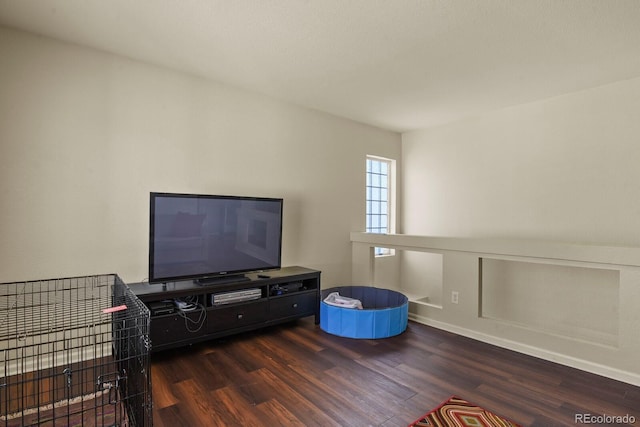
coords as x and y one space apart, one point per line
391 200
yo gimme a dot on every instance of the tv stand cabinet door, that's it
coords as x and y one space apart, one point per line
171 330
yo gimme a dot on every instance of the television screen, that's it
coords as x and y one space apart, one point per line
201 236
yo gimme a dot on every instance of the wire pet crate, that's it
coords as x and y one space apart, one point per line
74 351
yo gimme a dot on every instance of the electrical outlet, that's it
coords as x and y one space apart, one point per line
454 297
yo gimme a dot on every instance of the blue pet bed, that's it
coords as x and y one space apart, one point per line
384 313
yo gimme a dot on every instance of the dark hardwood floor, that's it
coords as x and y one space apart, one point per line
297 375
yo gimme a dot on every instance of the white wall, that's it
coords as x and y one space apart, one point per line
563 169
85 136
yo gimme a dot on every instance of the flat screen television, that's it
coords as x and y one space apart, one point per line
211 238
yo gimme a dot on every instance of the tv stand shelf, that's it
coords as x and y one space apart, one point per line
286 294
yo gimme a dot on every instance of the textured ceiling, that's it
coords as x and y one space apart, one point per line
395 64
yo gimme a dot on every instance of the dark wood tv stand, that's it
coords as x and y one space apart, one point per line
286 294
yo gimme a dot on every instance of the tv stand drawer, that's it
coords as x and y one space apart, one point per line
237 316
293 305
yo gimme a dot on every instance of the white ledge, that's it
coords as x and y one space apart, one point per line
600 254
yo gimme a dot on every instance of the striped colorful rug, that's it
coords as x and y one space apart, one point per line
457 412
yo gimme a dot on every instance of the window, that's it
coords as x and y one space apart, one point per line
379 200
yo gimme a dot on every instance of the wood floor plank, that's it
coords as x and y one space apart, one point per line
225 369
306 375
302 408
273 413
162 391
296 374
194 399
502 402
173 416
231 405
338 400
